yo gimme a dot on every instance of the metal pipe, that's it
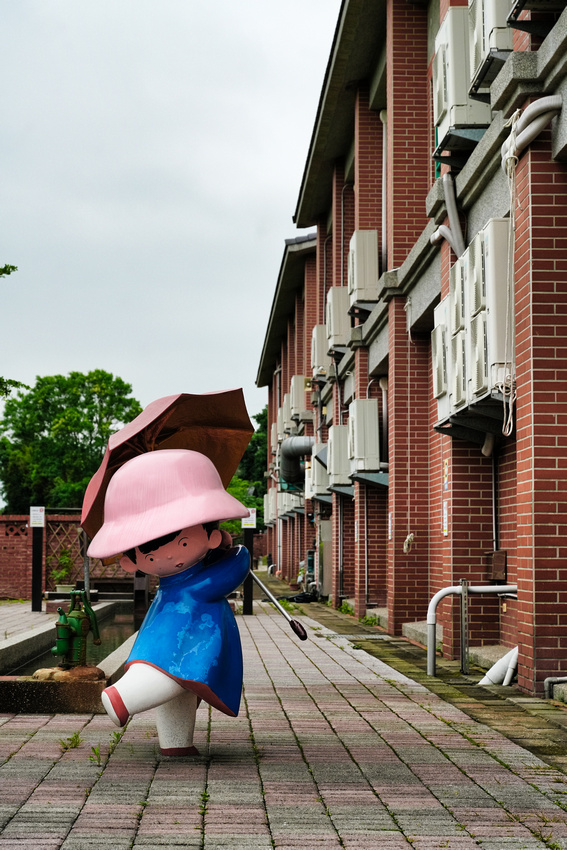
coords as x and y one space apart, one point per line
432 613
550 682
384 257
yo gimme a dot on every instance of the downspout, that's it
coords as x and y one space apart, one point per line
323 300
384 387
453 234
384 120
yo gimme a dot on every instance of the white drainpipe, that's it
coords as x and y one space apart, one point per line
501 673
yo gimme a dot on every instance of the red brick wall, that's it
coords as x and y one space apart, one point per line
15 557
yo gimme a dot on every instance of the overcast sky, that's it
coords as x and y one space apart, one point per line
151 154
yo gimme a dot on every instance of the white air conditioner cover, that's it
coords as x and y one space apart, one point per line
441 363
363 266
288 422
363 435
459 370
338 319
493 242
338 465
320 360
457 295
297 396
319 474
451 77
489 34
475 276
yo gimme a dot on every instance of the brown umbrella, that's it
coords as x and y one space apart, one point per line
215 424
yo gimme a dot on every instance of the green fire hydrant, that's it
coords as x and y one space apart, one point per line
72 629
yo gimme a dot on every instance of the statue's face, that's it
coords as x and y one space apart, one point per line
190 546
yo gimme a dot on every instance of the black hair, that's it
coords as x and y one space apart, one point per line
152 545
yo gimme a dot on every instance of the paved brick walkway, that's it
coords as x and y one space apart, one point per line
18 617
332 749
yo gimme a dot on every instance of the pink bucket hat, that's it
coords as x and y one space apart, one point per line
157 493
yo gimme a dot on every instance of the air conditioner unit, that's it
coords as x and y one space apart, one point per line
488 327
308 491
457 295
453 108
273 502
458 371
297 396
363 266
267 518
338 319
274 437
475 276
288 423
280 424
440 358
319 474
363 435
478 358
490 42
338 465
320 360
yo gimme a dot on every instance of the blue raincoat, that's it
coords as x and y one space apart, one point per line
190 632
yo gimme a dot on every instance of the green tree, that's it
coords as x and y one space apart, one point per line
53 437
253 464
7 384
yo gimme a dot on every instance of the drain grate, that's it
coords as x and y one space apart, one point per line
354 637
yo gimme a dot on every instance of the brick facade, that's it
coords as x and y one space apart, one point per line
457 496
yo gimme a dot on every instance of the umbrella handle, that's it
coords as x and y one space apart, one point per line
295 624
298 629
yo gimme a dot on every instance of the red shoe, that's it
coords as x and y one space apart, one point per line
179 751
114 706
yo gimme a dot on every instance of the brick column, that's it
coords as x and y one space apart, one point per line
541 331
408 502
408 130
368 134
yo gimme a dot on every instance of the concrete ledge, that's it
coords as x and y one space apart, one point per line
487 656
31 696
418 633
559 692
380 614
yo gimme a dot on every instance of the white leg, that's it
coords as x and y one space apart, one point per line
142 687
176 724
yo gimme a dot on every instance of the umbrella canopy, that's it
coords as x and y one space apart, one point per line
215 424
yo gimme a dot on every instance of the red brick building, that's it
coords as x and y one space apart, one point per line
416 351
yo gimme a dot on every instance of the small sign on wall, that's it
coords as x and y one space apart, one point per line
37 517
250 521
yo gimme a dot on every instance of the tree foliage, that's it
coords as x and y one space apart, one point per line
253 464
7 384
53 437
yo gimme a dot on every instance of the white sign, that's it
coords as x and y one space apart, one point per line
250 521
37 517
